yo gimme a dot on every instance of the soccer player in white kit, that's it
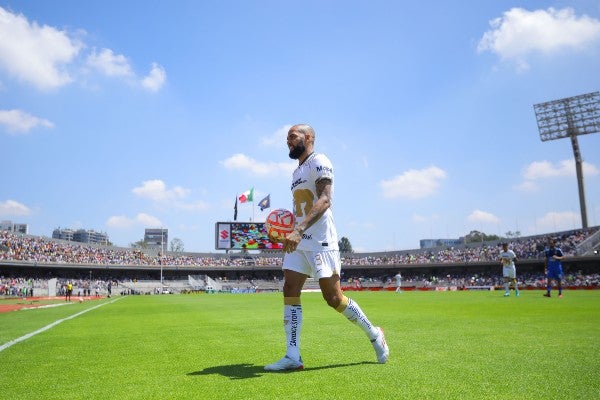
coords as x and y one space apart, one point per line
398 278
312 250
509 271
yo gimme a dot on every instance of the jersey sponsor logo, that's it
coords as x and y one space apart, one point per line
306 237
297 182
323 168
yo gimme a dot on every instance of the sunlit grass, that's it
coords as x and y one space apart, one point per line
443 345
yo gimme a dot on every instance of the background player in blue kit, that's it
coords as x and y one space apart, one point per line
553 267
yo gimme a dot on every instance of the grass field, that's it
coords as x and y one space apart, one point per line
444 345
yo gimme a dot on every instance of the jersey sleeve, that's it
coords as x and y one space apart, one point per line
323 169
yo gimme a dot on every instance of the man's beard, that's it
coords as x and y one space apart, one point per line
297 150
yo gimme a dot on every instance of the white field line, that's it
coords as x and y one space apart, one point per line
52 325
46 306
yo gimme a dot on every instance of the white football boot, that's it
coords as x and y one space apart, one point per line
381 348
285 364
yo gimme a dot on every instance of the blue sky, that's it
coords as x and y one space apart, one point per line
123 115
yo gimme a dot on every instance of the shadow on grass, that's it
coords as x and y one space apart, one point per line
245 371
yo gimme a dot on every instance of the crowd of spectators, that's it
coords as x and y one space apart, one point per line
24 286
487 279
18 286
524 248
17 247
33 249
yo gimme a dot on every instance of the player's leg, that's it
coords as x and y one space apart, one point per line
294 279
559 282
548 284
335 298
506 286
512 275
329 282
292 311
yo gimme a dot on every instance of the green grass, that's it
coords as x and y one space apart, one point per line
448 345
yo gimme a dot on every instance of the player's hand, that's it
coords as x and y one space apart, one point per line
290 243
275 239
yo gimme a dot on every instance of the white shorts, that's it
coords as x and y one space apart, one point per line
509 272
316 264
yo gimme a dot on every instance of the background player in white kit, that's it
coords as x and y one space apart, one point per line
398 278
509 271
312 250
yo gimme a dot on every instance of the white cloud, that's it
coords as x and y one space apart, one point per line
413 184
142 219
545 169
48 58
558 221
519 33
156 190
13 208
243 162
38 55
110 64
155 79
148 221
278 138
119 221
17 121
483 216
539 170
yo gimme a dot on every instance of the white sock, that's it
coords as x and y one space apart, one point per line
354 314
507 286
292 323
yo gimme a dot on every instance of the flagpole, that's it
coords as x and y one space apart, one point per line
235 208
252 192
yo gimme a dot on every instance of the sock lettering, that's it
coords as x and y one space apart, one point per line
358 314
294 327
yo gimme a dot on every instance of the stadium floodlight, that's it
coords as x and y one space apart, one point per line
570 117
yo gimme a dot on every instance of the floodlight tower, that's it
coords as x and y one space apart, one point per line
570 117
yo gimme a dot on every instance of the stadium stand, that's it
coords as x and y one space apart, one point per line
29 261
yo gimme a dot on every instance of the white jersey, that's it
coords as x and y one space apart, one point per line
322 235
398 279
508 263
508 258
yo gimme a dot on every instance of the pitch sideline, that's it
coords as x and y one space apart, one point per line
53 324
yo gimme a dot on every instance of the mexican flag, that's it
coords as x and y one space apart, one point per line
248 195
